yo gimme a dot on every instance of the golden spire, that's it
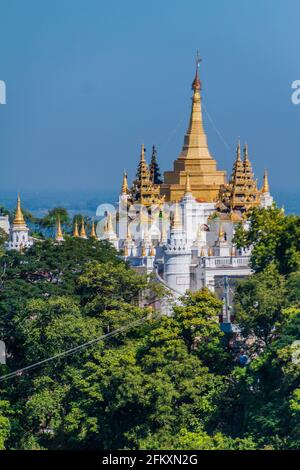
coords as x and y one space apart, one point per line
209 252
221 232
125 184
128 237
265 188
82 229
19 218
59 234
238 151
142 153
93 232
246 159
195 142
152 251
188 189
143 253
202 252
176 218
75 232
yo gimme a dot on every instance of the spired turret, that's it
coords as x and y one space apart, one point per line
144 191
59 235
241 193
266 200
195 158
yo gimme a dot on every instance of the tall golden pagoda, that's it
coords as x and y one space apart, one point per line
143 190
195 159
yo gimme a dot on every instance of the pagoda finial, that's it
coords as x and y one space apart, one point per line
93 231
266 187
221 232
82 229
196 85
176 219
75 231
59 235
124 184
238 151
19 218
246 158
188 189
142 153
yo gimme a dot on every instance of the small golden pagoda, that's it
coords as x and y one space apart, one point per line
59 235
93 231
82 229
143 190
195 159
75 231
241 193
19 218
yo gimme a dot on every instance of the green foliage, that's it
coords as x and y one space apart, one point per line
169 382
50 219
259 305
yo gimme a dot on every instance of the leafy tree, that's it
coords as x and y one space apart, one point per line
259 303
265 229
50 219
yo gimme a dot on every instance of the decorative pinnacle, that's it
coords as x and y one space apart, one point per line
75 232
238 151
125 184
19 218
142 152
176 219
246 152
265 188
93 232
221 232
188 189
59 235
82 229
196 85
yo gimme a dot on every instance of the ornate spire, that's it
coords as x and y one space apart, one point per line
19 218
128 237
93 231
188 189
238 151
82 229
246 158
196 85
124 184
195 142
176 219
59 235
75 231
266 187
221 233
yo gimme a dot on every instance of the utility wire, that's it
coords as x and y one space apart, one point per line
74 350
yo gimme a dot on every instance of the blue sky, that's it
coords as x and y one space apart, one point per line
89 81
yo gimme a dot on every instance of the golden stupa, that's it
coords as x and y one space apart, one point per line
194 160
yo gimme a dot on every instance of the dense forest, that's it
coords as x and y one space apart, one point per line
166 383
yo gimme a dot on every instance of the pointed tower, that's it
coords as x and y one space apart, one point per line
93 231
195 158
18 234
82 233
143 190
155 175
75 231
59 235
266 200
